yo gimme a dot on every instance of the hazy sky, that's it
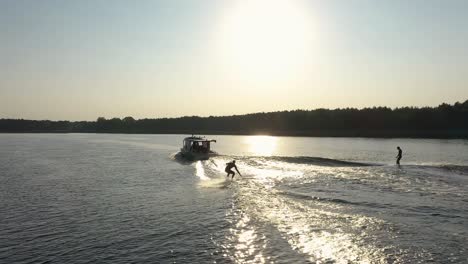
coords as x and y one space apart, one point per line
78 60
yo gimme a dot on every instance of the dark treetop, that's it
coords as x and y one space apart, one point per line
444 121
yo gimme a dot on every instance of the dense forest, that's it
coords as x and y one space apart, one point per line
444 121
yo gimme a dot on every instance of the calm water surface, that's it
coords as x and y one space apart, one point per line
86 198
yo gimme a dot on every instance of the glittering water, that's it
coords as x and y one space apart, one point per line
85 198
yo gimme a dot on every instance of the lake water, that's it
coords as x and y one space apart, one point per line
104 198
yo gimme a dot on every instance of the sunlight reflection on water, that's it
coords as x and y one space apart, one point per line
261 145
319 230
316 233
246 242
200 171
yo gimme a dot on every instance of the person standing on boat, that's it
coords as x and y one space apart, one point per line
398 157
229 167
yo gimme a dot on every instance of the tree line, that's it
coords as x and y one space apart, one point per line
443 121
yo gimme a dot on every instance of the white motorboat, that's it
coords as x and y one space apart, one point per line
197 148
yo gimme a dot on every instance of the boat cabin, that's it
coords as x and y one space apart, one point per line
197 144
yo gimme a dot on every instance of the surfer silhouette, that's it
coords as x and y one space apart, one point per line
398 157
229 167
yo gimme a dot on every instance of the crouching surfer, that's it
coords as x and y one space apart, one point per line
229 167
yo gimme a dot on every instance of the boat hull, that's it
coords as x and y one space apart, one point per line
196 155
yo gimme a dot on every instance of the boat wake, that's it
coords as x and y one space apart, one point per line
317 161
177 157
327 210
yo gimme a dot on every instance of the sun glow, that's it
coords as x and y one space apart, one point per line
266 37
261 145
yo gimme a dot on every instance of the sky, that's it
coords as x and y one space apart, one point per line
79 60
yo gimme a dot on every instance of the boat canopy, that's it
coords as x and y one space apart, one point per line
197 144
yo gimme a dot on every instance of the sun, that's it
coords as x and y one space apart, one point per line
265 37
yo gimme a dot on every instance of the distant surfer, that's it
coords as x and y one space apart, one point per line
229 167
398 157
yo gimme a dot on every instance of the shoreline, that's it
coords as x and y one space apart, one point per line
315 133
